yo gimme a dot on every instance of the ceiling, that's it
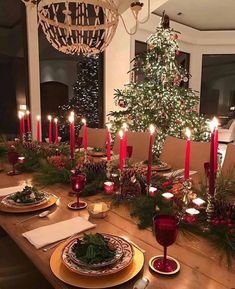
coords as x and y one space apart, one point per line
201 14
10 13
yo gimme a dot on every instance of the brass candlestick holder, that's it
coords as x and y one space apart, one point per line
187 190
108 169
210 209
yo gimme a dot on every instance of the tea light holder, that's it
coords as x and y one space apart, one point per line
152 191
168 196
21 160
109 187
190 215
192 211
198 202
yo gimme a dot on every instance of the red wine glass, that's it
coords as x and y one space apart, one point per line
13 160
129 151
78 184
166 229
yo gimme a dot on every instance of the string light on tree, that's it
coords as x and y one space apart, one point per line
160 98
85 102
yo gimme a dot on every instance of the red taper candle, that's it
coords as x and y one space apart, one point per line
38 129
109 138
150 155
72 135
20 126
121 158
50 129
187 154
84 134
212 161
28 121
56 131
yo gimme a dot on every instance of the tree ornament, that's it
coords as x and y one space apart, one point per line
122 103
185 79
174 37
177 52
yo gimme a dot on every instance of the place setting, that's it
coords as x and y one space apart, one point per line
26 199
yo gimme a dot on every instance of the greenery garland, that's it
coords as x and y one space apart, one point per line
52 166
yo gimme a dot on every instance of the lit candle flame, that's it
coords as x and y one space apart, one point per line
213 124
71 117
192 211
83 121
20 114
55 120
152 129
216 121
109 126
28 112
38 117
49 117
121 134
125 126
167 195
188 133
198 201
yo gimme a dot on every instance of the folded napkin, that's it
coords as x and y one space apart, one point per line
178 173
10 190
46 235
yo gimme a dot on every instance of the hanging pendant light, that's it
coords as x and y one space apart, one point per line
31 2
82 26
78 26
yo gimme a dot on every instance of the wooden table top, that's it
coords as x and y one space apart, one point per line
200 265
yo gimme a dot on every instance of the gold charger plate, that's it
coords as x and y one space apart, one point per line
74 279
51 201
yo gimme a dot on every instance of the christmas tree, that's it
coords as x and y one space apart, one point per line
85 102
159 98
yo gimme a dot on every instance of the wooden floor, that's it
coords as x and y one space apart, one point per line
200 264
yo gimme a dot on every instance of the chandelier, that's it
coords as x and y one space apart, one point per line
82 26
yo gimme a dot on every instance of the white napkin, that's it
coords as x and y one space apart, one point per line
11 190
178 173
46 235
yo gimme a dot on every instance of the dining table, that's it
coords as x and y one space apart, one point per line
201 264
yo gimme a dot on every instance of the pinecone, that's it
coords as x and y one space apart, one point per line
224 214
95 167
131 188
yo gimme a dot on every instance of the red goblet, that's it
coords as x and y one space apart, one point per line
13 160
78 183
166 229
129 151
